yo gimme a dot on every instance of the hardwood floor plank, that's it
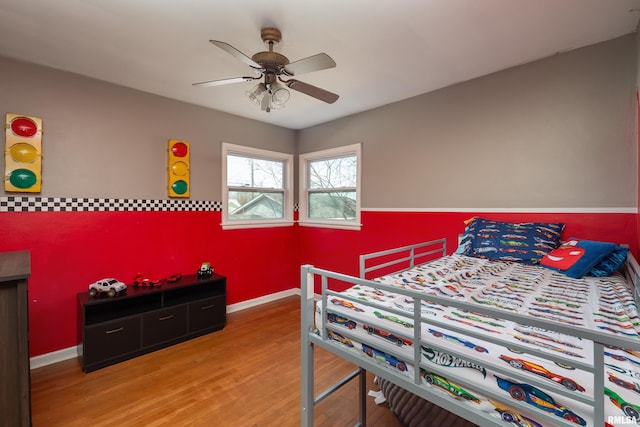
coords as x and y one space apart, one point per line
247 374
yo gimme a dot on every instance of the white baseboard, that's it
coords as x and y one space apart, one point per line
54 357
71 352
262 300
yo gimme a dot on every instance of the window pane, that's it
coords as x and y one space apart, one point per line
332 205
248 172
256 205
333 173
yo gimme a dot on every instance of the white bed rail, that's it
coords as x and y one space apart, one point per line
312 334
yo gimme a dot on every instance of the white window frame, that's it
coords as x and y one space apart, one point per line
304 159
287 159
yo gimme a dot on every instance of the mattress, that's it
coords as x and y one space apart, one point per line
604 304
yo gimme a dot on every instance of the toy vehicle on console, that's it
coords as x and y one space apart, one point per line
205 270
141 280
174 277
109 286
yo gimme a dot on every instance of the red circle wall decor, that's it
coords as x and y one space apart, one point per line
23 126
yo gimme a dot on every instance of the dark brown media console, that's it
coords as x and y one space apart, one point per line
146 319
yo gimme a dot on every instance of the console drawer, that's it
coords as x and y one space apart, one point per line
164 325
110 339
207 313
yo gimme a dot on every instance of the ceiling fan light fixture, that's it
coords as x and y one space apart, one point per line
279 94
269 96
255 95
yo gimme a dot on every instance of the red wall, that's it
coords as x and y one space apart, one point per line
338 250
69 250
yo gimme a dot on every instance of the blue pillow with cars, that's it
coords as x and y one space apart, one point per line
526 242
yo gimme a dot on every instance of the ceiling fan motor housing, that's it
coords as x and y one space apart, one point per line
271 61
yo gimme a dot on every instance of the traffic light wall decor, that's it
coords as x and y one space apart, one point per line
23 154
178 170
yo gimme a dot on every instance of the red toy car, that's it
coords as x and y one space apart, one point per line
174 277
141 280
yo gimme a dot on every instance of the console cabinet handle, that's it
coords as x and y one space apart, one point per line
165 317
207 307
113 331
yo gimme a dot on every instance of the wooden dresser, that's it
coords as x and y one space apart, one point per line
15 379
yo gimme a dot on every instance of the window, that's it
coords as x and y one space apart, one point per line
256 187
330 188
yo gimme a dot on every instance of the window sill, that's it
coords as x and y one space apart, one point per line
327 224
261 224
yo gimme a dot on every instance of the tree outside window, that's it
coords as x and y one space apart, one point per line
256 187
330 187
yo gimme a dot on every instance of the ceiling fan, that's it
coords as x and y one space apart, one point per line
270 67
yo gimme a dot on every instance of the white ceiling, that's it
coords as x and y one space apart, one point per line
385 51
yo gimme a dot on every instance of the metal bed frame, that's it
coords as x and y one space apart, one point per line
405 257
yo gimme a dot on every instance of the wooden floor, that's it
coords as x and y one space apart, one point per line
248 374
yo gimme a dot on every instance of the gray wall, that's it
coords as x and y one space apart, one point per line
103 140
555 133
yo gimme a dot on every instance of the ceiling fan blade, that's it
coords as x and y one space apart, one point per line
318 62
235 52
225 81
316 92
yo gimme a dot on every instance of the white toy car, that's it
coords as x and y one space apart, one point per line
110 286
205 270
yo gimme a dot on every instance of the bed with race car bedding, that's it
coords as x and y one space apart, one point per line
515 328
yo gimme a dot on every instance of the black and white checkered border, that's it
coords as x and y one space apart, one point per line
77 204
